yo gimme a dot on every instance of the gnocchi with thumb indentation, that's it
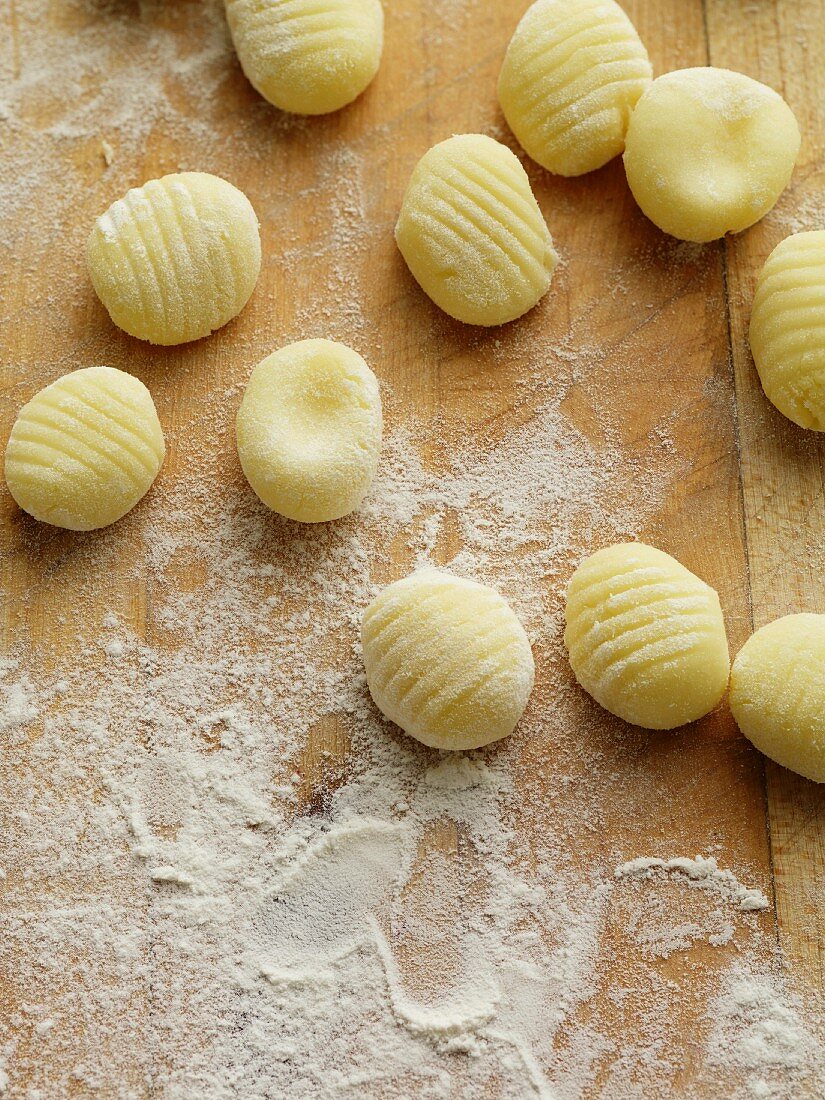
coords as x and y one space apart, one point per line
787 328
85 449
309 430
777 693
309 57
571 76
447 660
472 232
177 258
646 636
709 151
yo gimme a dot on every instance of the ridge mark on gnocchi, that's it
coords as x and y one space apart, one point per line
787 328
571 76
177 258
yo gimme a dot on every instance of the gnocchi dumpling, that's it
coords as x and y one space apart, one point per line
571 76
309 57
472 233
777 693
709 151
447 660
85 449
646 636
309 430
177 258
787 329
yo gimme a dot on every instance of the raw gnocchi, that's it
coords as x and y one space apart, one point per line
177 258
309 57
472 232
787 329
646 636
85 449
709 151
447 660
309 430
777 693
571 76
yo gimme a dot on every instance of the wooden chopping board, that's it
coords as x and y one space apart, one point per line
743 506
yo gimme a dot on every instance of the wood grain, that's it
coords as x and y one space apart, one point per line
782 466
654 367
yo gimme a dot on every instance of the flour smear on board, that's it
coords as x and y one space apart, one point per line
221 873
196 904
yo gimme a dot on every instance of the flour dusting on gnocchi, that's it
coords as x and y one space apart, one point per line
472 232
85 449
709 151
447 660
787 328
571 76
309 430
177 258
777 692
646 636
309 57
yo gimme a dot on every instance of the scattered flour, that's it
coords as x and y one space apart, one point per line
217 847
701 873
763 1034
224 874
17 708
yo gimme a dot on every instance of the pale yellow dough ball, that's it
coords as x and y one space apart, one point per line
646 636
177 258
709 151
85 449
308 56
472 232
571 76
309 430
777 693
787 330
447 660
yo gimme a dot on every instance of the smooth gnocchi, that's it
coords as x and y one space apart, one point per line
787 328
447 660
309 430
571 76
709 151
472 232
85 449
309 57
646 636
777 693
177 258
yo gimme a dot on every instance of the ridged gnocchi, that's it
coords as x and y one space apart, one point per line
309 57
571 76
447 660
85 449
777 693
309 430
177 258
646 636
709 151
472 233
787 328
